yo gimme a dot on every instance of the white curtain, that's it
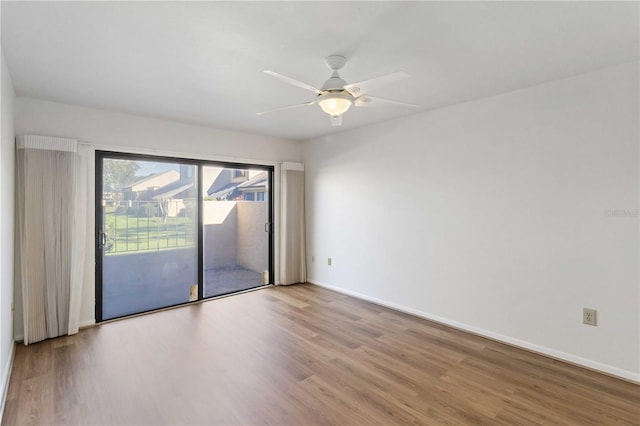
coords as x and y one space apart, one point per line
46 234
81 244
292 228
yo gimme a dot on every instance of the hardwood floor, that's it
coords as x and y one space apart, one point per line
300 355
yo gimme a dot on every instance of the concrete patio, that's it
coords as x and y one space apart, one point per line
122 297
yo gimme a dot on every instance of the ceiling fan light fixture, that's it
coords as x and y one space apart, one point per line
335 104
335 97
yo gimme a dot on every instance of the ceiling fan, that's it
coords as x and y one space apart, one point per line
335 96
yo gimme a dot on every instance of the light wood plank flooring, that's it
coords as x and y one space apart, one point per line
300 355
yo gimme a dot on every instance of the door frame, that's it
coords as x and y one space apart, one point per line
100 155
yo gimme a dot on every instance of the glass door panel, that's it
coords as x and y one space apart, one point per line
236 229
147 234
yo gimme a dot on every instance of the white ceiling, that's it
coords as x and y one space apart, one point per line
201 62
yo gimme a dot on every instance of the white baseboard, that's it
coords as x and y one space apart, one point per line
87 323
542 350
6 376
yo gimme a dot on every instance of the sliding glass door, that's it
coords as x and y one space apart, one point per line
173 231
236 229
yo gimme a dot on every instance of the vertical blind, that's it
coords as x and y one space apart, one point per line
46 213
292 243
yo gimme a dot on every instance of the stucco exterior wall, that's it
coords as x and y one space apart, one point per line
253 241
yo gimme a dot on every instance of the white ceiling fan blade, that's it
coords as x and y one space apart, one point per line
292 81
286 107
336 120
362 87
368 101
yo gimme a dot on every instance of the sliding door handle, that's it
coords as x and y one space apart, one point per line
267 227
102 239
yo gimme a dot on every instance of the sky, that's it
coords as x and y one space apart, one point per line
150 167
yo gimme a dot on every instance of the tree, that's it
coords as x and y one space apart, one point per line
117 174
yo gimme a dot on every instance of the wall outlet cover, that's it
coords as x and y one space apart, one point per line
589 316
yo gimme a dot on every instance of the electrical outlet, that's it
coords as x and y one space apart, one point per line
589 316
329 261
313 258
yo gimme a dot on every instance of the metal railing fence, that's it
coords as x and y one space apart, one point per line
134 226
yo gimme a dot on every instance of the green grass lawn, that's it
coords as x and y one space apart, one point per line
127 233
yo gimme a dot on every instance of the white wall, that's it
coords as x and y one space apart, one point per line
7 165
143 133
504 216
130 133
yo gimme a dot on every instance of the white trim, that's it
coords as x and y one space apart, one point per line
47 143
542 350
6 376
289 165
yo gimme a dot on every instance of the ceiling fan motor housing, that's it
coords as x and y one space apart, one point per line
334 83
335 62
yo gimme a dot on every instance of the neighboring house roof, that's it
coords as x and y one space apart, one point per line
157 180
168 192
161 186
229 191
221 182
232 190
256 183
